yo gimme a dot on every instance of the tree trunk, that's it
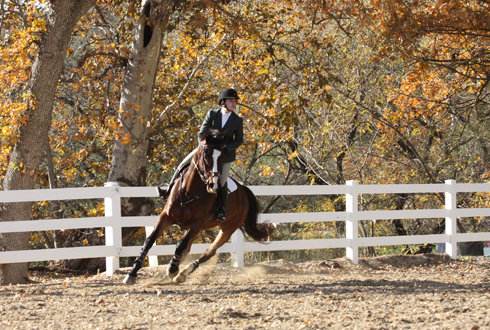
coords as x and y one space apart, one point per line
135 112
129 154
33 135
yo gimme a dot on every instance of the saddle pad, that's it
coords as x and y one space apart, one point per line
231 185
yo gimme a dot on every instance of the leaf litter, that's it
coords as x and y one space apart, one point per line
399 292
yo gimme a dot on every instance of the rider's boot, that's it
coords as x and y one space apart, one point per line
222 195
164 190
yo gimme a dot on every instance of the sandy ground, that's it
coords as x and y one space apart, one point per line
391 292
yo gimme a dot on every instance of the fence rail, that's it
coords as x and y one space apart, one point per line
113 222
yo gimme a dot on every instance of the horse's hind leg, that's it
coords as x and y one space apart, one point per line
162 225
181 253
221 239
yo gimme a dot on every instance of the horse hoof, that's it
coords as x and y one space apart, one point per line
128 280
166 280
172 275
180 278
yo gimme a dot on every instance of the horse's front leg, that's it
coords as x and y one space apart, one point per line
181 252
221 239
162 224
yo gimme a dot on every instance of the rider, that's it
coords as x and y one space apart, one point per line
225 120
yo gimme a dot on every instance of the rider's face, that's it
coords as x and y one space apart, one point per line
231 104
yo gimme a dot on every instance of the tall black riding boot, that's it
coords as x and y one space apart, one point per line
222 201
163 191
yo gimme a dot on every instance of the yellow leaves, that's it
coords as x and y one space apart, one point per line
293 155
70 174
263 71
16 53
97 211
126 139
60 150
266 170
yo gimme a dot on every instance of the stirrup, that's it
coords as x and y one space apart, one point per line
221 214
163 190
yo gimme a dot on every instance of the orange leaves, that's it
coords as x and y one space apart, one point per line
293 155
126 139
16 51
96 211
14 70
303 69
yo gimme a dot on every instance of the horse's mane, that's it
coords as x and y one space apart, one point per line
212 136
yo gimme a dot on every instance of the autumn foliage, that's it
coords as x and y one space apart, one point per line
383 92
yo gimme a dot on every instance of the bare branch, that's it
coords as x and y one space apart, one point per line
193 73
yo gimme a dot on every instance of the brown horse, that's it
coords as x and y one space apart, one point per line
192 205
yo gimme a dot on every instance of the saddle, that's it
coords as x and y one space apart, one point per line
164 191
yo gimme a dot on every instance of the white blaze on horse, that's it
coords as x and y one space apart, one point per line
192 205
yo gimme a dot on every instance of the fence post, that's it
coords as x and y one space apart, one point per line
237 257
113 234
351 224
451 220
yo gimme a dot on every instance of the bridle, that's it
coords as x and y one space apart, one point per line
209 178
204 176
211 182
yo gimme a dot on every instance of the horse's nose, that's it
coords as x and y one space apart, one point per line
212 187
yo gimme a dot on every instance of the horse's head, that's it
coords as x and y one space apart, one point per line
210 158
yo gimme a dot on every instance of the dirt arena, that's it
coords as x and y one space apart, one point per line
391 292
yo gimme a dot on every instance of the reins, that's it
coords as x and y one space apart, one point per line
204 176
205 179
181 190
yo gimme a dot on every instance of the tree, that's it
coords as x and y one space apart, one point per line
129 155
59 17
376 91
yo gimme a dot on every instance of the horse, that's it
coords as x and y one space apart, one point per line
192 205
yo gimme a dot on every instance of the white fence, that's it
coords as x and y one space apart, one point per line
114 222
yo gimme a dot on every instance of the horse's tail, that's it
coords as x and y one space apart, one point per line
258 233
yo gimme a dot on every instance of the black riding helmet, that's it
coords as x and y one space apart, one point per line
227 93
